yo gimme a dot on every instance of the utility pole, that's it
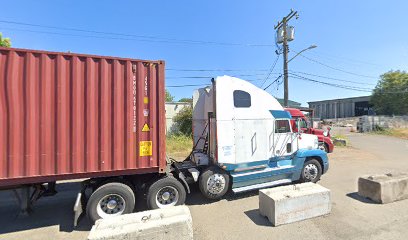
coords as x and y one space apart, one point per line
283 25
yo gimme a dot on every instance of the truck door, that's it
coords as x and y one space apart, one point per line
284 143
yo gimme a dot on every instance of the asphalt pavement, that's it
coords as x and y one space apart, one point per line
237 216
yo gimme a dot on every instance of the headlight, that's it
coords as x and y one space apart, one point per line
316 143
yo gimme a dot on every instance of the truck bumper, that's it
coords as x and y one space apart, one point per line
330 147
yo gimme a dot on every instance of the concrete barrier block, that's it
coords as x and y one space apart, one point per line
384 188
287 204
161 224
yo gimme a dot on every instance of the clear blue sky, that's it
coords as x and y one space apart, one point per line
362 37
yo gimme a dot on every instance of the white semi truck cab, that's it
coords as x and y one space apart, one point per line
243 140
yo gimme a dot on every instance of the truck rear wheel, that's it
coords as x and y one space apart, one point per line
109 200
214 183
311 171
166 192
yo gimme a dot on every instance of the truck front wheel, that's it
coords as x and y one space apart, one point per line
111 199
166 192
214 183
311 172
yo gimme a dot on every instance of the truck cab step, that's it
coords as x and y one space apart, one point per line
261 185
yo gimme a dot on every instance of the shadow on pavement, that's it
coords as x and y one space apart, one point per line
196 198
354 195
48 211
257 218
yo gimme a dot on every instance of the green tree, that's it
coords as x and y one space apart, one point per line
4 42
169 97
184 121
390 96
186 100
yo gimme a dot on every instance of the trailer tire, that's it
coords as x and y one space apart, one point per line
111 199
166 192
311 171
214 183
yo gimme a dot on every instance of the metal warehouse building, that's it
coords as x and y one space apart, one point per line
342 108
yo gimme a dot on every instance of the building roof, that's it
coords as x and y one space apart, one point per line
354 99
291 103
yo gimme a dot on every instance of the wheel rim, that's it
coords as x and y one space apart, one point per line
310 171
216 183
167 196
111 205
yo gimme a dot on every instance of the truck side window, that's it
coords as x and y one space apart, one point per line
282 126
242 99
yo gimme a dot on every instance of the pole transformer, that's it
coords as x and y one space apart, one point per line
283 24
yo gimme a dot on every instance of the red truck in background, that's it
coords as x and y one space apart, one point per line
325 142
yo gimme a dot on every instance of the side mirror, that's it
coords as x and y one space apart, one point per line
326 132
298 126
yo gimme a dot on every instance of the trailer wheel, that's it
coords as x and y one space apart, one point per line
166 192
214 183
109 200
311 171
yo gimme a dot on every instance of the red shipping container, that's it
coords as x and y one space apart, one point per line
66 116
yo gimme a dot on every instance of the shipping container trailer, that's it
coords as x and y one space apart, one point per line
68 116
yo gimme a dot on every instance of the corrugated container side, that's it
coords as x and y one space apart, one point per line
66 116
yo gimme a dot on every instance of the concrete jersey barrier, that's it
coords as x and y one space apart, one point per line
384 188
173 223
294 203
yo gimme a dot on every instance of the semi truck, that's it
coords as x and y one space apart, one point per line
323 136
101 121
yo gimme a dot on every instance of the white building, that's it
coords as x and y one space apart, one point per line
172 108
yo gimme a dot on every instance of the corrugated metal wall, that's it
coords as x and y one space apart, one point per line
67 115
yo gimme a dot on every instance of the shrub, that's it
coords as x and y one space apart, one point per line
184 121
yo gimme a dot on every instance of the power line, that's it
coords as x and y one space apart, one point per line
204 77
332 84
301 78
86 36
203 84
209 77
334 68
187 85
271 70
343 59
331 78
273 82
216 70
145 38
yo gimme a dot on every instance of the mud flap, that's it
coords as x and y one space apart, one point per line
183 180
78 208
